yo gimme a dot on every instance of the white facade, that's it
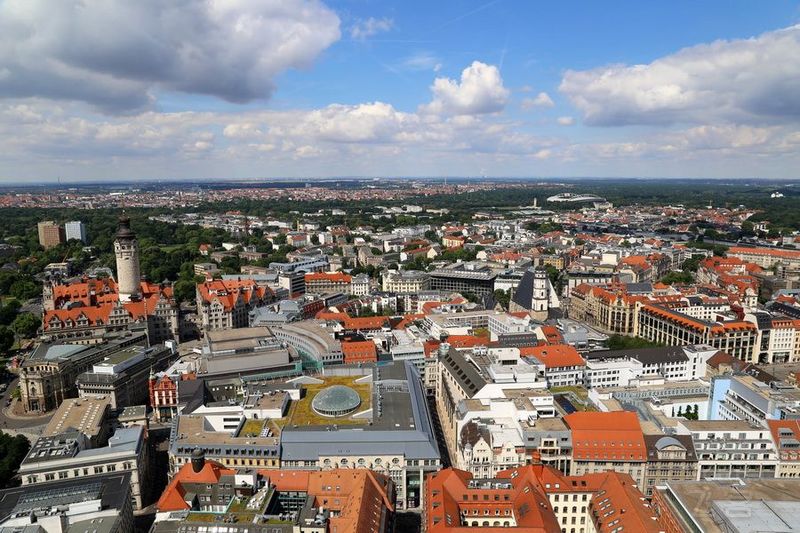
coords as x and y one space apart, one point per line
75 230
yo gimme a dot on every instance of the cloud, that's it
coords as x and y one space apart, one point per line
480 91
565 121
116 54
540 100
754 81
364 29
422 61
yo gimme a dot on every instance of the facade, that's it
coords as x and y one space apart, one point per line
405 281
88 310
68 456
669 458
767 257
563 365
123 376
663 325
48 376
325 282
534 294
102 504
471 278
731 449
50 234
227 304
786 436
609 308
75 230
743 397
535 499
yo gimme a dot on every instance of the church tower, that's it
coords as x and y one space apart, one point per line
126 248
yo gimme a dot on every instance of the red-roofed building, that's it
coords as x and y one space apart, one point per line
786 436
535 499
226 304
359 352
324 282
607 441
563 365
90 309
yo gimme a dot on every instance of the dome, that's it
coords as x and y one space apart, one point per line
337 400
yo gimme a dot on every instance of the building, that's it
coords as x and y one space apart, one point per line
68 456
728 506
563 365
744 397
48 376
102 504
616 368
470 278
227 303
405 281
669 458
535 499
786 436
88 416
607 441
315 345
731 449
123 376
75 230
534 294
163 391
325 282
357 352
660 324
50 234
246 354
767 258
388 429
356 501
610 308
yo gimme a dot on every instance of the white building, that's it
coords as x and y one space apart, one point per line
75 230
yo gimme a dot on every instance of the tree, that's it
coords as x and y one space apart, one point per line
25 290
25 325
12 451
6 339
677 277
623 342
502 297
184 290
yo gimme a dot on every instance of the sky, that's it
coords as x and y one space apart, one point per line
237 89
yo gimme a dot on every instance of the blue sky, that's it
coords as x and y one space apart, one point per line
303 88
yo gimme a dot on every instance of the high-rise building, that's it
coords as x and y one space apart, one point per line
75 230
126 248
50 234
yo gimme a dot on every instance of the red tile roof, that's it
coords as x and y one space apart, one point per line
554 355
612 436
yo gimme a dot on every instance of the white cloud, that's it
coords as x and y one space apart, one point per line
565 121
364 29
540 100
480 91
114 54
754 80
422 61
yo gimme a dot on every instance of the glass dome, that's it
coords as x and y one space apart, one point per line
337 400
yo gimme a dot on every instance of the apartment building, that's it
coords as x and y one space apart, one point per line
786 436
226 304
405 281
326 282
669 458
731 449
50 234
767 257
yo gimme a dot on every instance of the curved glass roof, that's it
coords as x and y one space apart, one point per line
336 399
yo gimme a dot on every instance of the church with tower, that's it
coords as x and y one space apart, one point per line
88 310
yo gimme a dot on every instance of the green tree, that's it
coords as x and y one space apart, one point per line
25 325
25 290
184 290
677 277
6 339
623 342
502 297
12 451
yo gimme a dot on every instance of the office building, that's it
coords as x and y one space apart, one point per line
75 230
50 234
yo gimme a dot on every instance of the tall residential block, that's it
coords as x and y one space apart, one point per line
75 230
50 234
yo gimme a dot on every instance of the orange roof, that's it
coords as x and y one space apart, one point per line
366 322
333 277
612 436
782 430
552 334
771 252
467 341
172 497
228 291
554 355
359 351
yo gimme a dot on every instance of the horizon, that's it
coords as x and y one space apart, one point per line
311 90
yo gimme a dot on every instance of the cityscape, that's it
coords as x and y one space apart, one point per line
558 294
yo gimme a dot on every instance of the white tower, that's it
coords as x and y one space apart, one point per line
126 248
